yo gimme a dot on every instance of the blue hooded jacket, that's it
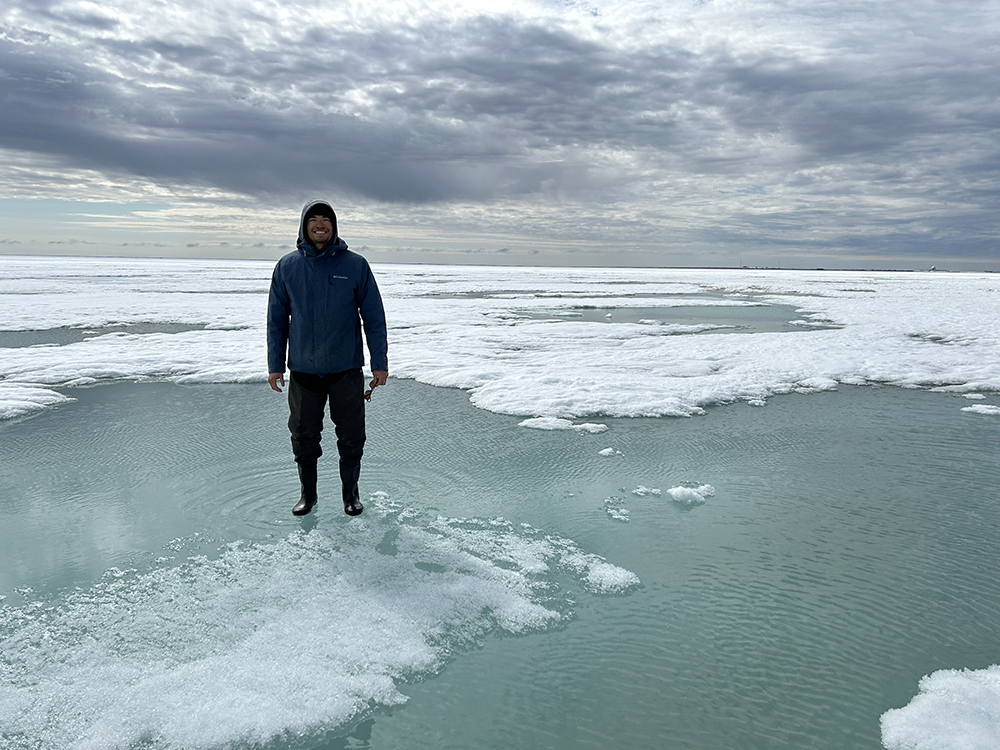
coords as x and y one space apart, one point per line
314 305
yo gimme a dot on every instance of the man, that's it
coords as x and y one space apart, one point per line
317 294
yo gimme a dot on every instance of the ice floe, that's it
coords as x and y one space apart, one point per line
642 491
954 710
691 495
17 399
556 423
615 508
476 328
982 409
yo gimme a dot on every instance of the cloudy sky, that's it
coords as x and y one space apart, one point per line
680 132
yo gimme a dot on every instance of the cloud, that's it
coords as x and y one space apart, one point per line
842 125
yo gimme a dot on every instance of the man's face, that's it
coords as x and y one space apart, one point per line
320 231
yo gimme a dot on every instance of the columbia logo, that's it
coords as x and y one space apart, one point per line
335 276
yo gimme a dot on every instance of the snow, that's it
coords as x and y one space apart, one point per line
19 398
642 491
471 328
955 710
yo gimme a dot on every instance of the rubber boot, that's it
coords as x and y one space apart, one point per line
349 479
307 477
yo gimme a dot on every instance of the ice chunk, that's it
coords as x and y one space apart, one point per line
19 399
645 491
613 506
691 495
618 513
954 710
547 423
557 423
609 452
982 409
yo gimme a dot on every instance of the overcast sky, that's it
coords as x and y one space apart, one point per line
694 132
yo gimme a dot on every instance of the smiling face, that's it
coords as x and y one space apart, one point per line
319 229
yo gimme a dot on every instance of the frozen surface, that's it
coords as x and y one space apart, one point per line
643 491
19 398
955 710
691 495
983 409
190 654
515 340
472 328
556 423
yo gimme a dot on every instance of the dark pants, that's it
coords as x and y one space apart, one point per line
307 398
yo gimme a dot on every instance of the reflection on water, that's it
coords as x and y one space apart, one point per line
698 319
64 336
849 549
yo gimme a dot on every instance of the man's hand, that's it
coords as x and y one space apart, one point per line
378 378
274 378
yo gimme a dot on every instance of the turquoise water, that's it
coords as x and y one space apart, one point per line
850 548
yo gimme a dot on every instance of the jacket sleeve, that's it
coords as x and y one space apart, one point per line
369 302
278 312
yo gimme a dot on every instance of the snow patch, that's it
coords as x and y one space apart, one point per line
954 709
20 399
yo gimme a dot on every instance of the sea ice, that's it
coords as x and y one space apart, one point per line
614 507
982 409
556 423
21 398
472 328
691 495
954 710
607 452
645 491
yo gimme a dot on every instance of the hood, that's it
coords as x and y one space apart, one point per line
303 243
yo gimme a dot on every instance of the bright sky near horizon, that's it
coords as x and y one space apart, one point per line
703 132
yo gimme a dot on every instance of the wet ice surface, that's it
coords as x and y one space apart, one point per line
274 639
831 524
